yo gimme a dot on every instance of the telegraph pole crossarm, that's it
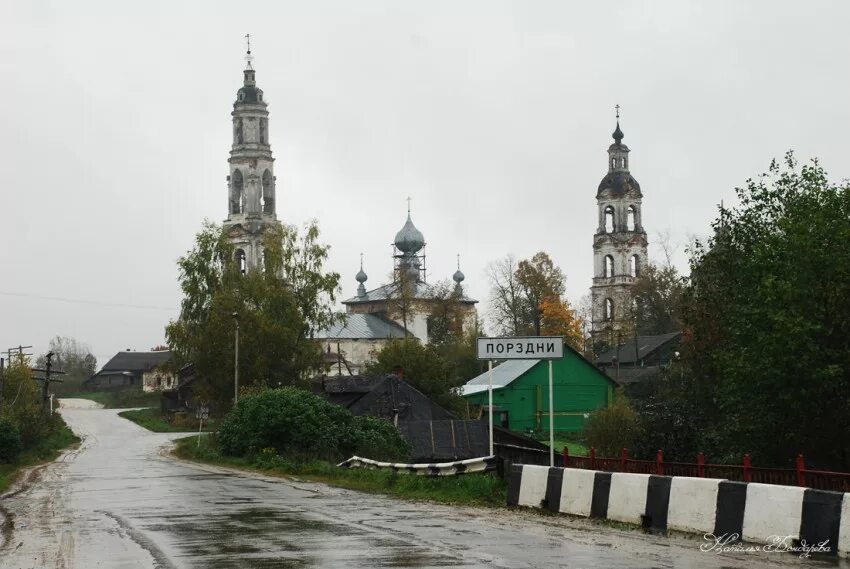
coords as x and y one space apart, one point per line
47 379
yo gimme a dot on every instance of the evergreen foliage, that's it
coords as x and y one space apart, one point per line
302 426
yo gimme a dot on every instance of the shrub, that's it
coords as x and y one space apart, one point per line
303 426
613 428
10 440
377 439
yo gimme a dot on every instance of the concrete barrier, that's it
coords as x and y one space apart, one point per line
772 510
693 504
758 513
532 489
577 491
844 527
627 497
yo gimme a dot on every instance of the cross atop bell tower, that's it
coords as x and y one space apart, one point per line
251 183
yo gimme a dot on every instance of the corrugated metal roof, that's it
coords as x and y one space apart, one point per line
421 291
503 375
363 327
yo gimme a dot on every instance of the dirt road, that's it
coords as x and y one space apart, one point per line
119 501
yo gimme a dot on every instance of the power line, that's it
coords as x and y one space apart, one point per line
84 301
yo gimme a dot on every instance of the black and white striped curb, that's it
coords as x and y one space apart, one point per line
756 513
482 464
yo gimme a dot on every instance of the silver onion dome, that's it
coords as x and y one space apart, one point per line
409 239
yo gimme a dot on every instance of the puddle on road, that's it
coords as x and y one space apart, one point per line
278 538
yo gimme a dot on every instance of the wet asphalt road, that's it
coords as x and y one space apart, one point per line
119 501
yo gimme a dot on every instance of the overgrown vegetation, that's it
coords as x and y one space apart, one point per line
304 427
29 434
613 428
152 419
765 357
467 489
427 369
279 308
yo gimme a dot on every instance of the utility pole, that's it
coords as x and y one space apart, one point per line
45 385
2 378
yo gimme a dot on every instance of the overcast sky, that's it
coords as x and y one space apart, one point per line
494 117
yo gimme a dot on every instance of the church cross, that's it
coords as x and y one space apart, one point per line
618 110
408 204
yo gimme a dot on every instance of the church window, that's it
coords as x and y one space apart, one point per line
634 265
263 124
609 309
236 193
241 261
609 266
609 219
268 192
631 217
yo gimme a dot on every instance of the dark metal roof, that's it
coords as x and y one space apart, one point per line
619 183
646 346
136 361
363 327
251 94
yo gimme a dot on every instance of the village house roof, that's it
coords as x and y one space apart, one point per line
363 327
646 346
503 375
420 291
136 361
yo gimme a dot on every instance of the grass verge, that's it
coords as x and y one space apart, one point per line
476 489
45 451
153 420
119 399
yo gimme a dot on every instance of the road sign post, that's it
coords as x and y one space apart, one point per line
203 413
522 348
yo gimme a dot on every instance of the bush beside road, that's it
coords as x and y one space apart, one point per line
46 450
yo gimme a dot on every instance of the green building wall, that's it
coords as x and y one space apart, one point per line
579 388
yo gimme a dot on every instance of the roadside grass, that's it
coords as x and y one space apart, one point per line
574 447
119 399
46 450
476 489
153 420
572 440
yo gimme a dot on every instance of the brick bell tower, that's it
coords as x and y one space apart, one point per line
251 184
619 245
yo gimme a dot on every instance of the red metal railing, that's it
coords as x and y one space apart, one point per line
744 472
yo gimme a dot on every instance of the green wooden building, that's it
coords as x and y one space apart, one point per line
521 392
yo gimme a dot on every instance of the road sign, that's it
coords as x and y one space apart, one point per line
521 348
203 412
